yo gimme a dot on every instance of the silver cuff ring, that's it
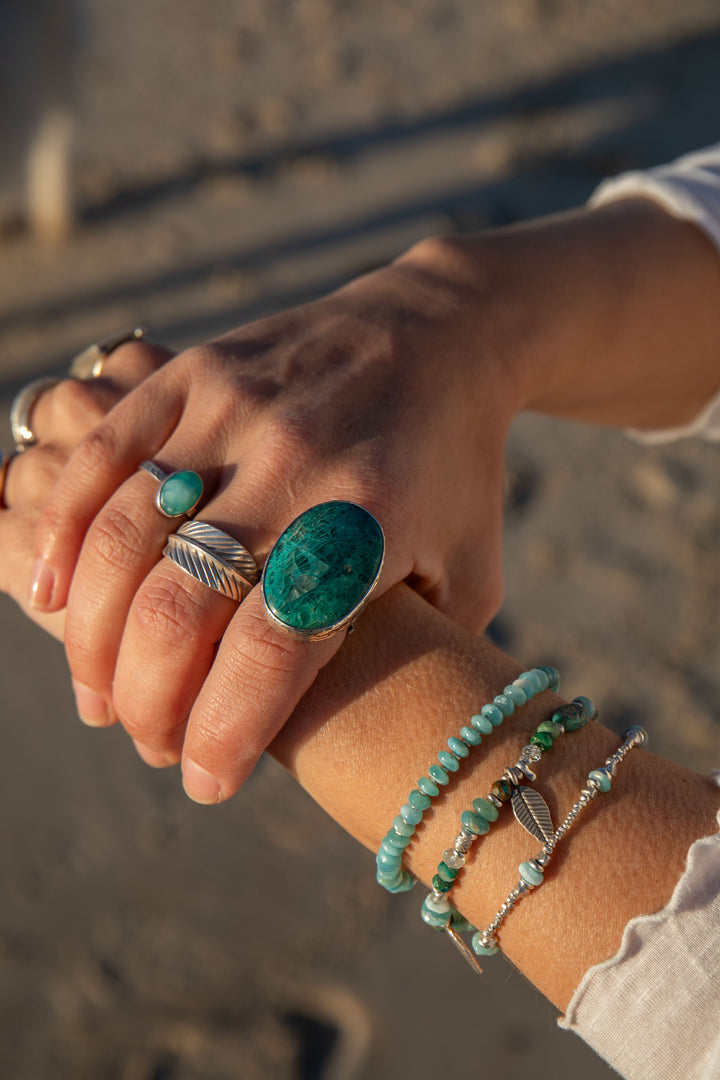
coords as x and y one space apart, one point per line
214 558
21 409
88 364
179 492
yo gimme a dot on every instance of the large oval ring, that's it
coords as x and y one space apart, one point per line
88 364
179 492
323 569
21 408
214 558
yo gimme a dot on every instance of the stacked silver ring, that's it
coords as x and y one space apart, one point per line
22 405
214 558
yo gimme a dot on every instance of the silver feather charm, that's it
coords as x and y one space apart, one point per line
533 813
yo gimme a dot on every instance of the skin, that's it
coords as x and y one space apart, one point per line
397 393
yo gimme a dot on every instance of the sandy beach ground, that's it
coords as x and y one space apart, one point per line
235 157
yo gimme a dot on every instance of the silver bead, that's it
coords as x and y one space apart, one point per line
531 752
453 859
515 775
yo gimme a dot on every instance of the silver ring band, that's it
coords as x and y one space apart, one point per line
21 409
88 364
214 558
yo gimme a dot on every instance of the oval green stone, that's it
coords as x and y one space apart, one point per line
322 567
180 493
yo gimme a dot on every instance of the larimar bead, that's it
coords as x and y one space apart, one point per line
436 912
552 728
409 814
572 717
481 723
448 762
398 842
447 873
527 687
452 859
539 677
470 736
531 873
387 862
402 827
553 675
541 739
419 800
458 747
588 707
482 950
518 696
493 714
389 879
401 882
603 777
505 704
474 823
388 848
439 774
502 790
428 786
440 885
486 809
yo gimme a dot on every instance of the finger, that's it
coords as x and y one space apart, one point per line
16 528
29 479
135 429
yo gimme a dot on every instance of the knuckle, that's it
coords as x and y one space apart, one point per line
98 449
165 611
266 652
115 537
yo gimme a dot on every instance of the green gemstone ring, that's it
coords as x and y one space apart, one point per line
179 492
323 569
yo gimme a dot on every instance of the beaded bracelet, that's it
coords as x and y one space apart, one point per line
484 942
528 805
390 872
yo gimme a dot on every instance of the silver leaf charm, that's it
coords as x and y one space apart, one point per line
533 813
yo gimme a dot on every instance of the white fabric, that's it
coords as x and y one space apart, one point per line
653 1010
689 188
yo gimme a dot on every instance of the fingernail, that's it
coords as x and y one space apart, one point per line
91 707
42 581
155 758
199 784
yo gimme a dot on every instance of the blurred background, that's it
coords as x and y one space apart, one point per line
191 166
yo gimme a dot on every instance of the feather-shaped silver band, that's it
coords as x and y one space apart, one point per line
214 558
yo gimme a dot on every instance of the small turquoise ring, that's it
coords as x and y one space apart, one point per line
179 492
323 569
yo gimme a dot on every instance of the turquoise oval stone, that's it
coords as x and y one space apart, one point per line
180 493
323 567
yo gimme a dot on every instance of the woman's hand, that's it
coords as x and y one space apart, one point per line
384 394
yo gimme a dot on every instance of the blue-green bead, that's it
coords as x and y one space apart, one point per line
419 800
505 704
439 885
388 878
637 729
401 827
543 740
398 842
474 823
537 678
458 747
493 714
527 687
180 493
516 694
428 786
448 761
447 873
436 913
603 778
409 814
407 882
588 707
388 863
388 848
551 728
531 875
481 723
470 735
486 809
439 774
322 567
553 675
572 717
482 950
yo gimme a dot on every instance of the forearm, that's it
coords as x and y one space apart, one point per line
374 721
610 315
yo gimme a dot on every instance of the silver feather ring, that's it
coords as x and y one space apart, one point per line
214 558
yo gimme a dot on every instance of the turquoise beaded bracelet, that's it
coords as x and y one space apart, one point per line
390 871
528 805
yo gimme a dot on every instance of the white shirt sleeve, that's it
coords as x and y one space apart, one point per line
653 1010
689 188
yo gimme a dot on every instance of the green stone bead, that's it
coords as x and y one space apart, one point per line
323 567
481 723
537 678
493 714
551 728
553 676
486 809
428 786
474 823
388 863
409 814
436 913
405 883
402 828
180 493
446 872
458 747
572 717
505 704
448 761
543 740
398 842
516 694
531 875
603 777
470 736
419 800
441 886
502 790
439 774
588 707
